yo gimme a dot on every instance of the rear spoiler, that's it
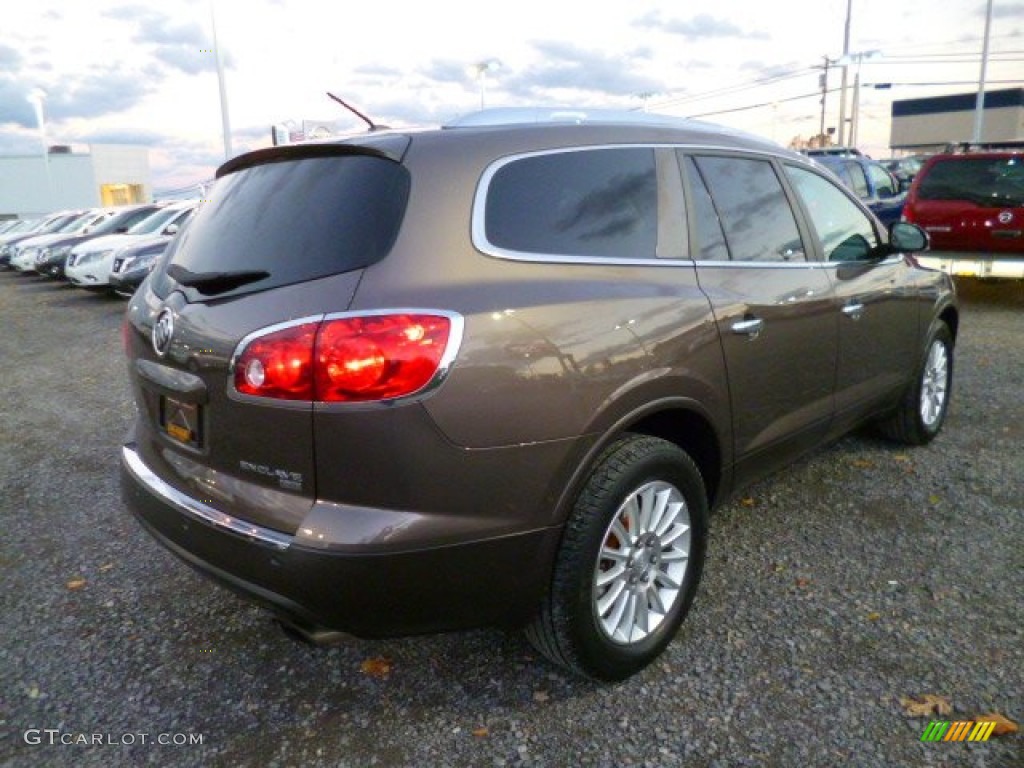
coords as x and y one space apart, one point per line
391 146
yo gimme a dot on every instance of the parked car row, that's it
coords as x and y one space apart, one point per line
970 203
88 247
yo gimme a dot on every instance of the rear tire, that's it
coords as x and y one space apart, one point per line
922 413
629 563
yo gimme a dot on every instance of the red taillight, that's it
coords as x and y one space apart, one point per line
350 359
279 364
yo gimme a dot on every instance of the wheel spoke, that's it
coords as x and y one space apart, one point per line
631 513
655 599
667 521
675 555
663 579
606 577
647 503
641 619
627 623
662 505
674 534
618 530
607 600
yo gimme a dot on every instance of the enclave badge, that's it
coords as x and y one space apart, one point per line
163 329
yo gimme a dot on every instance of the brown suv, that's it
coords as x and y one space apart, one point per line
498 373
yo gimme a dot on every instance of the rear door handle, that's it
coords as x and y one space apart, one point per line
748 326
854 310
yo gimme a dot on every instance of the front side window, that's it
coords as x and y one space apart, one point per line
846 234
589 203
753 209
885 186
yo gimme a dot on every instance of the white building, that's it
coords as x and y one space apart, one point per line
931 124
105 175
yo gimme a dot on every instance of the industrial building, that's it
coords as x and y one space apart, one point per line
936 123
104 175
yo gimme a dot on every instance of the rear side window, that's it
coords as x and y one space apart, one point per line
755 214
296 220
992 182
589 203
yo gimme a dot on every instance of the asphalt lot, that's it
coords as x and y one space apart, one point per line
865 574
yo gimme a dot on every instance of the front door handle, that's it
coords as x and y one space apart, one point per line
854 310
748 326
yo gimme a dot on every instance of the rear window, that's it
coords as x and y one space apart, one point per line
993 182
591 203
295 220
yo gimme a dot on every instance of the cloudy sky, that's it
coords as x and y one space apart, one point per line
145 72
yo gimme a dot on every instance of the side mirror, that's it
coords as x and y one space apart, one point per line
171 229
907 237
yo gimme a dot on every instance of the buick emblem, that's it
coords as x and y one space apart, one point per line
163 329
1006 217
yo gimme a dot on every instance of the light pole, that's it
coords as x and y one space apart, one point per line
842 88
224 119
36 97
846 60
979 103
482 68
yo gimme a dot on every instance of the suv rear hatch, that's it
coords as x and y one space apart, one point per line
283 239
971 203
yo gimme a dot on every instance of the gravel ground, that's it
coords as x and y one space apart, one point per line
861 575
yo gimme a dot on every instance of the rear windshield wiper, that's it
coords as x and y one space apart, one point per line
209 283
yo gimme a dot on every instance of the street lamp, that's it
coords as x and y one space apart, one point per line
858 59
481 68
36 97
224 118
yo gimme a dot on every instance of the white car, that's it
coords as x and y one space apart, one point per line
23 255
89 264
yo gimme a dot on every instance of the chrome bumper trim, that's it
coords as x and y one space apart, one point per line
973 264
197 509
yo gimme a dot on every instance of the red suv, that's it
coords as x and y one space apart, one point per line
972 206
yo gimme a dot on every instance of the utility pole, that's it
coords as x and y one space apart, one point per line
842 93
824 93
224 119
979 103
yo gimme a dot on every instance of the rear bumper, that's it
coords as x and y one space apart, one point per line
969 264
496 581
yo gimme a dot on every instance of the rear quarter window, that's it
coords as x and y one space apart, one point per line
297 220
589 203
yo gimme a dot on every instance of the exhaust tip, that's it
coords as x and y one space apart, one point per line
311 634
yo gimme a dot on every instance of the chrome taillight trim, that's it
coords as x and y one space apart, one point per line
456 330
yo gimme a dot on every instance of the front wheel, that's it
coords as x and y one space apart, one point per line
921 414
629 562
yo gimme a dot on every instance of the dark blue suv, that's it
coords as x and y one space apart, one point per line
871 182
